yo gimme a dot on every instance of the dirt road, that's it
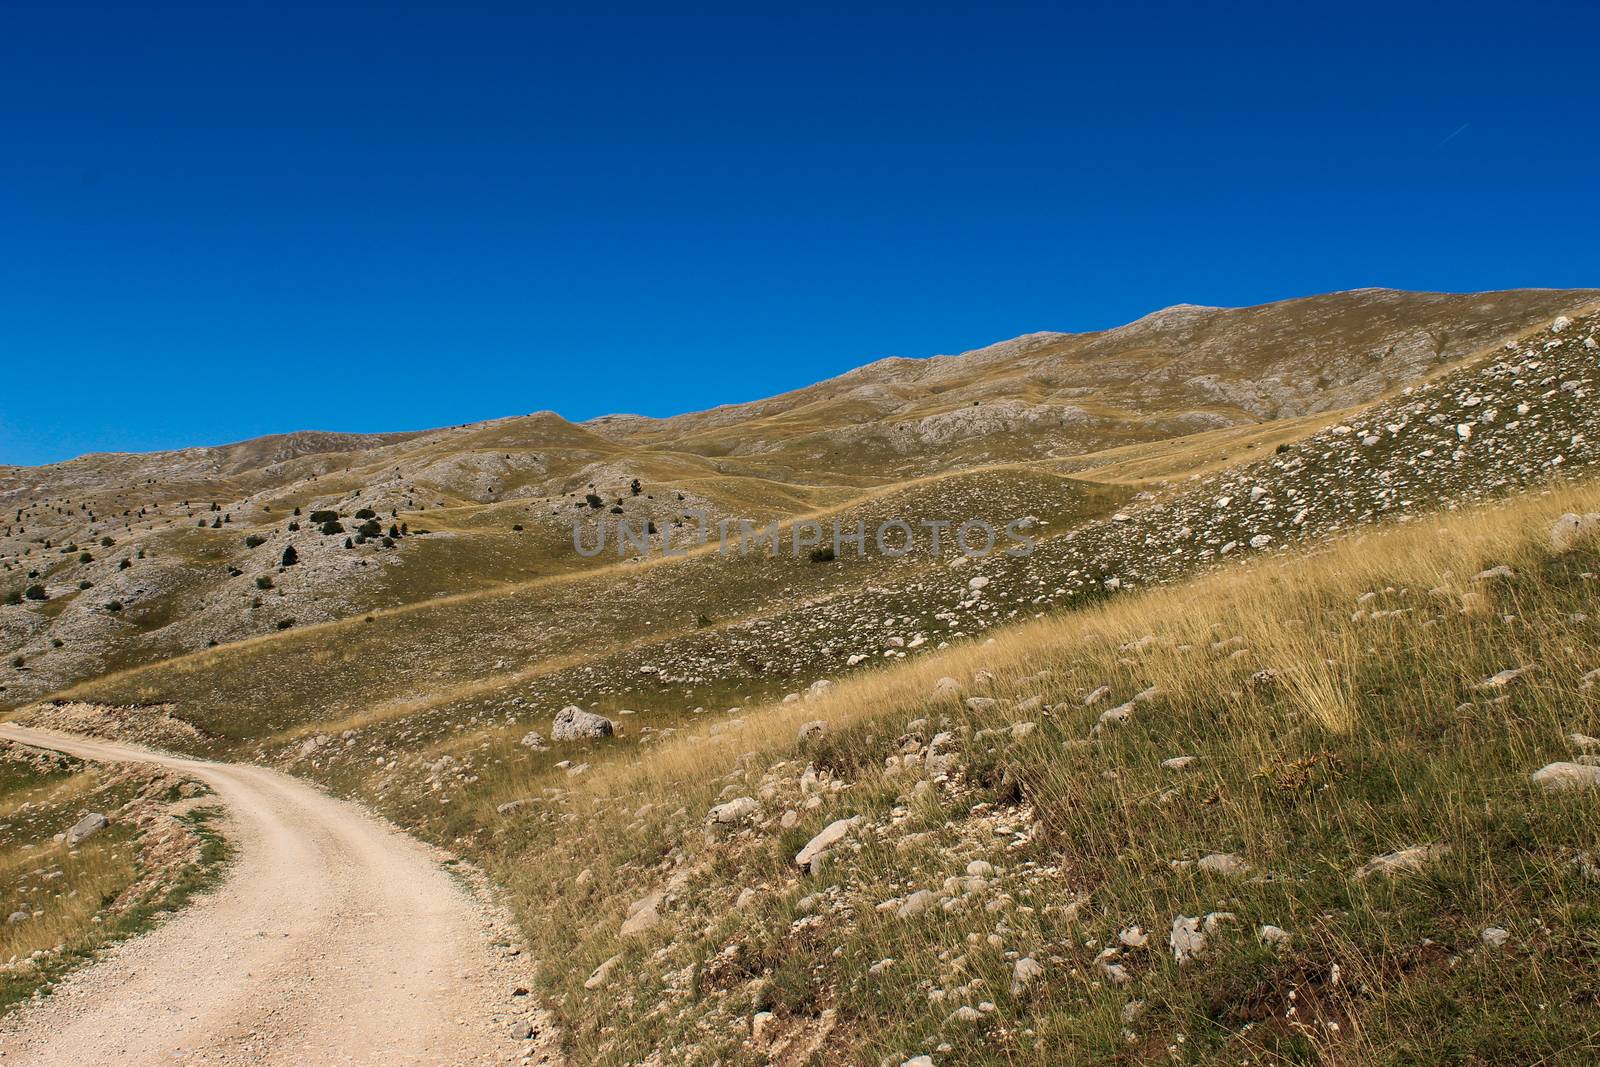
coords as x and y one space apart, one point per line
334 939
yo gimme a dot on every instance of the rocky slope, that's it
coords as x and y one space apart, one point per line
111 561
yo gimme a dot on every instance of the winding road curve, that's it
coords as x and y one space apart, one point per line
334 939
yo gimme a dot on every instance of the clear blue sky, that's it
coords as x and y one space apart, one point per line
223 220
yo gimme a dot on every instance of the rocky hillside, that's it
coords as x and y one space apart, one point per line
1277 747
108 562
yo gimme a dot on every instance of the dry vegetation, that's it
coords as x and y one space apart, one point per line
1116 801
1372 732
62 901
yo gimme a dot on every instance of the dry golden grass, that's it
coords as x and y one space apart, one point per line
1265 601
1370 735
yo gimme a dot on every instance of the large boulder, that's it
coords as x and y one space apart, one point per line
735 811
574 724
85 828
642 915
831 835
1569 529
1563 777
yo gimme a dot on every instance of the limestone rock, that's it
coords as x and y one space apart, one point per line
572 723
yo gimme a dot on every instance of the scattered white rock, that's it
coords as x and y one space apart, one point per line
831 835
1273 936
735 811
1226 864
1024 973
1403 861
601 973
1562 777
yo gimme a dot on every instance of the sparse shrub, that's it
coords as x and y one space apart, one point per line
124 565
370 528
594 501
18 662
293 527
636 488
254 541
13 598
114 606
516 527
264 582
284 624
320 517
331 527
106 542
703 620
85 584
84 557
56 642
36 592
366 513
290 557
822 554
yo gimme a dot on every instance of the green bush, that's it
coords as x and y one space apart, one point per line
114 606
36 592
254 541
290 557
264 582
320 517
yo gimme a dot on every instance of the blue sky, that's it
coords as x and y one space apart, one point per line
218 221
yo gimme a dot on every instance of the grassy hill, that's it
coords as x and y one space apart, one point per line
1113 799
